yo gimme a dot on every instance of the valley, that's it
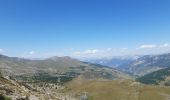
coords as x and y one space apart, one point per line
65 78
84 49
137 65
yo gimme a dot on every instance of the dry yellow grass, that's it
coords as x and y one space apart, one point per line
118 90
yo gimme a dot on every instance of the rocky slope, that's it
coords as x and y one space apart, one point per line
24 79
14 90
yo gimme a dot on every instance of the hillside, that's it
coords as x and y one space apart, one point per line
60 78
116 90
160 77
146 64
12 90
53 68
137 65
16 90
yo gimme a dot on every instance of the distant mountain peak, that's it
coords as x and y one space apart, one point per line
3 56
56 58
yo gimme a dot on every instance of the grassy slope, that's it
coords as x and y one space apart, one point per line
118 90
156 77
55 66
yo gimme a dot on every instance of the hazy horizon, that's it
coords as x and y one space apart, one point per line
84 28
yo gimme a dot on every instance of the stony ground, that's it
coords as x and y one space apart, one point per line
80 89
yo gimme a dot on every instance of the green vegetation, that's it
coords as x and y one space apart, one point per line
156 77
167 83
4 98
45 77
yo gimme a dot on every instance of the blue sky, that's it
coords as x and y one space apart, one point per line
79 28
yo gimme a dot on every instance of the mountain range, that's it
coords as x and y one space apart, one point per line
59 78
69 68
138 65
51 69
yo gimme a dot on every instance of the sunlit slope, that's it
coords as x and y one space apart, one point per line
118 90
50 69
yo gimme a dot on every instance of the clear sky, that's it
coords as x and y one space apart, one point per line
78 28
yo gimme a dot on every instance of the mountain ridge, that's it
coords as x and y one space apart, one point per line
54 67
137 65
